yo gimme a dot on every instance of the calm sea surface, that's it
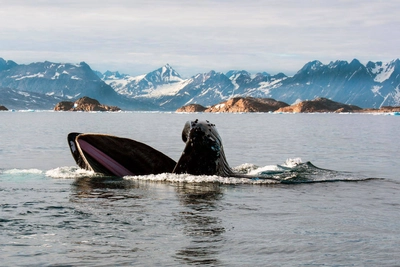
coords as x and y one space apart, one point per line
54 214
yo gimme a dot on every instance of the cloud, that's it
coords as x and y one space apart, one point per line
139 36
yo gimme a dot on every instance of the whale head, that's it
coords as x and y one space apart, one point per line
203 153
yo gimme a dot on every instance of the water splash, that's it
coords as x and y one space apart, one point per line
188 178
69 173
292 171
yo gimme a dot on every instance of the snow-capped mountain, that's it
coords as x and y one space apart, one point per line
159 82
374 85
67 81
17 99
253 85
49 83
371 85
167 89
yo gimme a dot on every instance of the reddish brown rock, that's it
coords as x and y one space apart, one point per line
192 108
64 106
3 108
320 104
84 104
247 104
384 109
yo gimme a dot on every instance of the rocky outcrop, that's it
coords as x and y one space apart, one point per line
84 104
247 104
3 108
64 106
384 109
192 108
319 104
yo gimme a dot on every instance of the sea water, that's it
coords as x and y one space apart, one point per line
55 214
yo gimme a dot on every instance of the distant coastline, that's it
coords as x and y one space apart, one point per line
236 105
250 104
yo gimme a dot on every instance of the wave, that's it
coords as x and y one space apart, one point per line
21 171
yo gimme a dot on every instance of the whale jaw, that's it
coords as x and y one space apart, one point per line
203 153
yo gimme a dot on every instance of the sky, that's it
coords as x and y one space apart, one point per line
136 37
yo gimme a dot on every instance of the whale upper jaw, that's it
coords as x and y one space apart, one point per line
203 153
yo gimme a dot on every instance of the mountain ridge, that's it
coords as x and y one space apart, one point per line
369 85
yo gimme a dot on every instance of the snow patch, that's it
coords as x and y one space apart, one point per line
167 89
26 94
36 75
396 95
382 72
375 89
219 106
56 75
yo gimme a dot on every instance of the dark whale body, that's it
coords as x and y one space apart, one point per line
203 152
110 155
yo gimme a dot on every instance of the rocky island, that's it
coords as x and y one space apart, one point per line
247 104
250 104
238 104
3 108
384 109
320 105
192 108
84 104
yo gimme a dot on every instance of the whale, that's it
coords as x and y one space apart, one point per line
203 154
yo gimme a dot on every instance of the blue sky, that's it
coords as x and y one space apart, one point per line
136 37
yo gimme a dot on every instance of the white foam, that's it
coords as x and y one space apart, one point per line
21 171
252 169
245 168
266 169
69 173
292 162
188 178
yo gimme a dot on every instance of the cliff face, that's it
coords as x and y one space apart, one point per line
84 104
319 105
247 104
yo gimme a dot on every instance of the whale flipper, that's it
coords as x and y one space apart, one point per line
117 156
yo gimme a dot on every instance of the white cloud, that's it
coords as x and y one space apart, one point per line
139 36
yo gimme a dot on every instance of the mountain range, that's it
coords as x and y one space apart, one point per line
41 85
